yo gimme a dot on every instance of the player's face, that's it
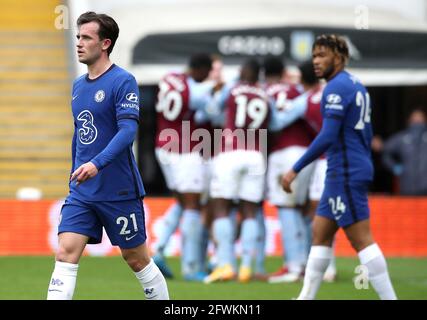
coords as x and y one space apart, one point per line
324 62
201 74
89 46
216 72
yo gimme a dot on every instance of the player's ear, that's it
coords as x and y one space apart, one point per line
337 60
106 43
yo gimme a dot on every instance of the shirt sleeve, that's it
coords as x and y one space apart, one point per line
200 94
127 99
123 139
326 137
214 108
335 101
282 119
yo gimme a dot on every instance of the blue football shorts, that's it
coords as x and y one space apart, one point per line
123 221
344 203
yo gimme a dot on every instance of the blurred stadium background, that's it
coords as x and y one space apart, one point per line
388 41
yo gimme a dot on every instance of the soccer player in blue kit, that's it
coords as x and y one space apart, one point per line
106 188
346 138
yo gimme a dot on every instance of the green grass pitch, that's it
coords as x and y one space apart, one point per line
110 278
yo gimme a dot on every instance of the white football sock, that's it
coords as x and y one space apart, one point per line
153 282
373 259
63 281
318 261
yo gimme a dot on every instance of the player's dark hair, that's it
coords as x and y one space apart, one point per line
307 73
336 43
108 28
200 60
251 69
273 66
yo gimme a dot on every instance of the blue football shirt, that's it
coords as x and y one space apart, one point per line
97 106
347 100
346 132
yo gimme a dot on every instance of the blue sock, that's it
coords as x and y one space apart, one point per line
291 221
249 238
260 244
224 237
233 218
191 241
204 248
308 223
170 224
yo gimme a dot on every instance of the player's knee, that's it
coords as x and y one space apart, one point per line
360 243
67 254
321 239
136 262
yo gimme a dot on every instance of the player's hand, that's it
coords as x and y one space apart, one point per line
218 86
84 172
287 180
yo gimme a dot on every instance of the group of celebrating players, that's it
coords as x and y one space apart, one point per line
265 125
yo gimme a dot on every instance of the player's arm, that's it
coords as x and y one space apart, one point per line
200 97
283 118
327 136
200 94
214 108
74 139
73 148
122 140
335 105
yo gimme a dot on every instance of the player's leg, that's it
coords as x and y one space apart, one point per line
124 222
223 189
192 236
331 271
224 237
171 220
168 163
259 272
147 272
370 255
63 279
77 226
290 212
317 185
249 237
190 183
206 222
251 194
320 255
